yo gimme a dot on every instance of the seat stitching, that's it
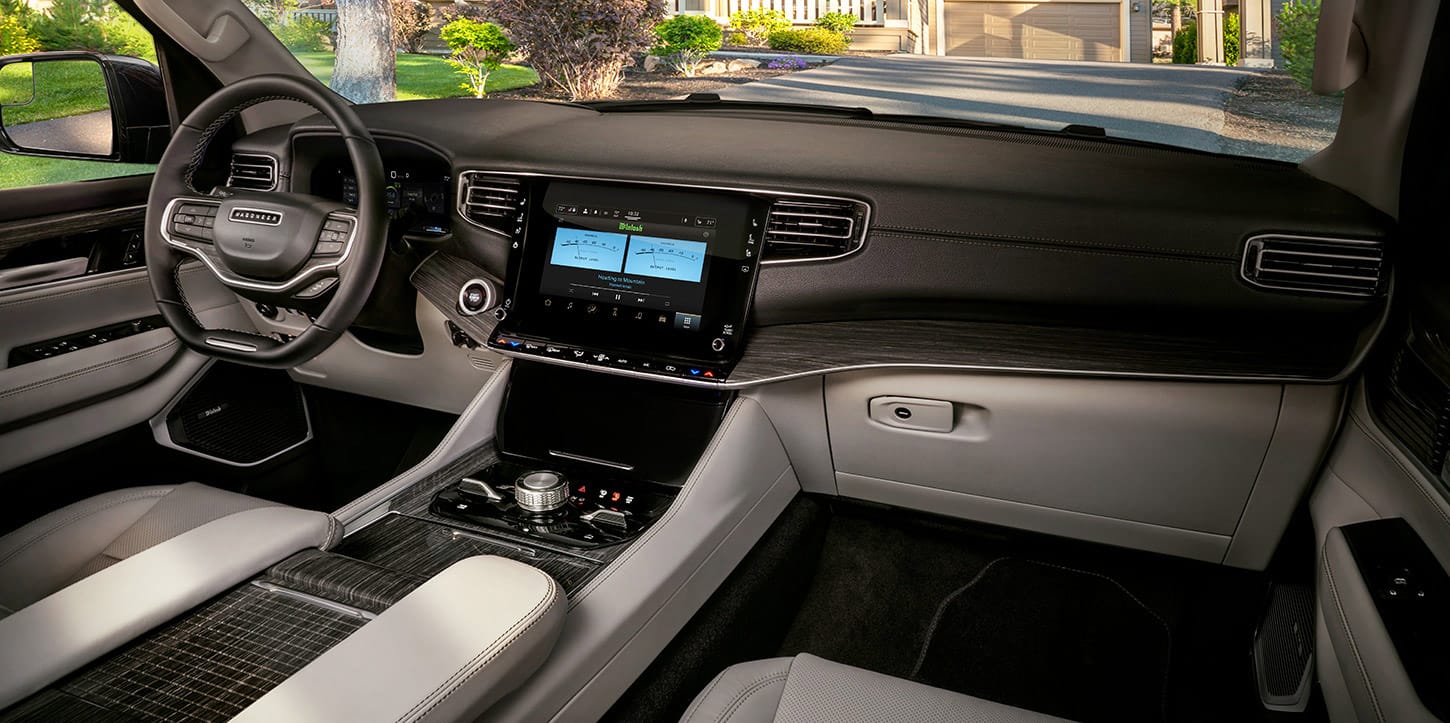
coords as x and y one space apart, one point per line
747 692
690 714
1349 635
81 515
480 661
87 370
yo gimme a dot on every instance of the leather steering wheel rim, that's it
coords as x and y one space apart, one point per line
356 273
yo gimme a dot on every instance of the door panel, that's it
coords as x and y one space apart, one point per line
1368 477
71 344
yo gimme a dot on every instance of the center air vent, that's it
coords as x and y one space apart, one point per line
801 229
253 171
496 203
1341 267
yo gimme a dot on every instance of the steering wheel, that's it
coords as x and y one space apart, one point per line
274 247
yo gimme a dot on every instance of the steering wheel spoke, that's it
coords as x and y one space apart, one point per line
273 246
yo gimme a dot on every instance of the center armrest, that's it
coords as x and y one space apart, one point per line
445 652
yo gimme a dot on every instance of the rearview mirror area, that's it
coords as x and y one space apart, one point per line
57 107
83 105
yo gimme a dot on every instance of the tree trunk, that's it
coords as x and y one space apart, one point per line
366 70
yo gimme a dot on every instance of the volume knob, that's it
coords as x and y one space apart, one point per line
541 491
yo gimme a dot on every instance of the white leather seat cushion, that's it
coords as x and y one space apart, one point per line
808 689
84 538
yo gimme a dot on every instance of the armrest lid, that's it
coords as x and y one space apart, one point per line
445 652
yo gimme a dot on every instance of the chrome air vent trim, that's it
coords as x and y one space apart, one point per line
252 171
1315 265
813 229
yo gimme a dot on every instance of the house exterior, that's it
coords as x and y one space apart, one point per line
1103 30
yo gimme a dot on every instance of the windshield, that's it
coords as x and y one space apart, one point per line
1224 76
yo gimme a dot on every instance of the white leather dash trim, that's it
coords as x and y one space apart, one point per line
445 652
60 633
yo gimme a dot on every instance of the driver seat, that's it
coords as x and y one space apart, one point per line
84 538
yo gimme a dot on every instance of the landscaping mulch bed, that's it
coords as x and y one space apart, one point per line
639 85
1270 116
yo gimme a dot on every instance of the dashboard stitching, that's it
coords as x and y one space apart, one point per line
914 230
1059 249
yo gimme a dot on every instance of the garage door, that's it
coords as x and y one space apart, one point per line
1036 31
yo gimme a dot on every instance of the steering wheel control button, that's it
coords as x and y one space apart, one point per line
475 297
337 224
328 248
316 288
194 221
541 491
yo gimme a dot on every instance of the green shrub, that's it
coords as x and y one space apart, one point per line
685 40
1231 39
738 39
1298 28
478 50
15 38
302 34
758 25
122 35
1185 42
843 23
815 41
579 46
68 25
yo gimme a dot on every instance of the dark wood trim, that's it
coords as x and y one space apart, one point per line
14 234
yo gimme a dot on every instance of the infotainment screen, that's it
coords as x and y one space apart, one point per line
634 277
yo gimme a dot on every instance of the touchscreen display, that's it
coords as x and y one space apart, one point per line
648 270
631 263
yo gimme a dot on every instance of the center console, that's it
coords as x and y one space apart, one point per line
584 460
635 280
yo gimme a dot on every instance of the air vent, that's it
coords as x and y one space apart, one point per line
801 229
253 171
496 203
1341 267
1414 405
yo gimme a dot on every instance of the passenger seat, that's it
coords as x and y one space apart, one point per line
806 689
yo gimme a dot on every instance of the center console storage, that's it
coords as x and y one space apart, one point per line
584 460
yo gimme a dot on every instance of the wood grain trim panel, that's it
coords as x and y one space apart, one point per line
15 234
777 353
440 277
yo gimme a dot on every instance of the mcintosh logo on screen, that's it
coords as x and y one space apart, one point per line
633 227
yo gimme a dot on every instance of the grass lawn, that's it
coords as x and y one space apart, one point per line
60 89
428 76
20 171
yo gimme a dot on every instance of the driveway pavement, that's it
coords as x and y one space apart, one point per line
1180 105
86 133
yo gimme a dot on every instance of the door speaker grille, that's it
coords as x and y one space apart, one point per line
240 416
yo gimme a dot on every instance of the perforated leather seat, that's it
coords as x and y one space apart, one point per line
807 689
84 538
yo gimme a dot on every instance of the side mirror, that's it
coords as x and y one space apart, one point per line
83 105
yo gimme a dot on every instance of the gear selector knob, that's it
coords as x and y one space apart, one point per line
541 491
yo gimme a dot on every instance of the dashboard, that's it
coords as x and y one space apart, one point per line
624 243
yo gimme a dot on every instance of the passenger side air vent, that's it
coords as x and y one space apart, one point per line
1343 267
811 229
253 171
496 203
1414 406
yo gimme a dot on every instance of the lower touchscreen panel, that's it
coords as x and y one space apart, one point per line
650 280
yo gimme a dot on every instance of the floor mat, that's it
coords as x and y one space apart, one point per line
1021 628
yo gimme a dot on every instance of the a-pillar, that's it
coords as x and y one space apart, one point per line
1210 32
